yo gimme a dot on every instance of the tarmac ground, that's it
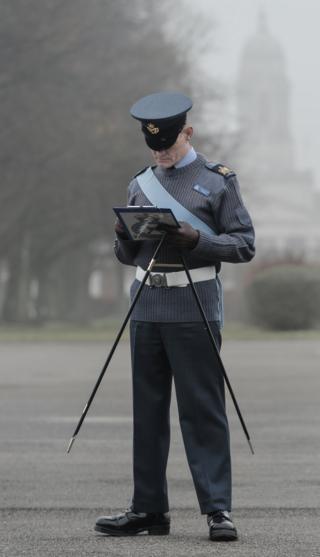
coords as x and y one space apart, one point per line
50 500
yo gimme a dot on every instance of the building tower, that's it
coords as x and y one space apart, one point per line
282 199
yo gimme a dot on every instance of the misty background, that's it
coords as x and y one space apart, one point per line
70 72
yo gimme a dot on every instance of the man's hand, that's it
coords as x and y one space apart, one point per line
185 237
120 230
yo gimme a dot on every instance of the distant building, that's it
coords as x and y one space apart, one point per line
282 199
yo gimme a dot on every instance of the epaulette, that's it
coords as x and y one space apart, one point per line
220 169
140 172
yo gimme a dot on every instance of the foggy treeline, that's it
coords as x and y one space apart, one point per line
70 72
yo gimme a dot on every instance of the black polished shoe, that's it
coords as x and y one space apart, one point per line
221 527
131 523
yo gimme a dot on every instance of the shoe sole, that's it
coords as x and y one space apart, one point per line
152 531
223 536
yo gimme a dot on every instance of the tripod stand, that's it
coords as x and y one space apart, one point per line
115 344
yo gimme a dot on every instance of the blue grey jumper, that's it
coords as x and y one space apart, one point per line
168 341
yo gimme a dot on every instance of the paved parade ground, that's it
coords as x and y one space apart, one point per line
50 500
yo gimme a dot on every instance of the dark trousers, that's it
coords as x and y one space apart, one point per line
183 351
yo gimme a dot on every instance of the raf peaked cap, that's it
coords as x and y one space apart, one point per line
162 117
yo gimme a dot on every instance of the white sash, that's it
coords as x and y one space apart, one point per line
158 195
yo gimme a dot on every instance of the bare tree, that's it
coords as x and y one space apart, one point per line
70 71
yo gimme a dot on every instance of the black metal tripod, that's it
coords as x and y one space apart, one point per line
205 320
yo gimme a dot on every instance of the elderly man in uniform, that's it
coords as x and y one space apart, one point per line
168 337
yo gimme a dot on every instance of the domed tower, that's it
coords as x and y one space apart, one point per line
263 101
280 197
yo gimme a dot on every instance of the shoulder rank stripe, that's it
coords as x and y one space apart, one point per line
140 171
143 170
221 169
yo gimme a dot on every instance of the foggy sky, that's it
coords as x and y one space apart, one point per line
296 26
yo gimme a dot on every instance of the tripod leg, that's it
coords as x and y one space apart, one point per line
115 344
221 365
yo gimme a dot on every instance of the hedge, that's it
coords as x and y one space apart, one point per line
285 297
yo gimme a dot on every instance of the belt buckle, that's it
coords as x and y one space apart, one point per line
158 280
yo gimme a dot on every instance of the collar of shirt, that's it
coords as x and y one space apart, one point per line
187 159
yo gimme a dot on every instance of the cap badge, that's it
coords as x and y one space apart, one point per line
152 128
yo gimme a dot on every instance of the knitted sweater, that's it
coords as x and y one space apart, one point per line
219 204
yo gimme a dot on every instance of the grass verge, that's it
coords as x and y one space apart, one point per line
106 331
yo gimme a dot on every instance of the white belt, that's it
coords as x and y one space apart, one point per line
178 278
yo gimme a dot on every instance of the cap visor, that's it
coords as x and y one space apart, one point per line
159 144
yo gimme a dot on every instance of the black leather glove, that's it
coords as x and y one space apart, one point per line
185 237
120 230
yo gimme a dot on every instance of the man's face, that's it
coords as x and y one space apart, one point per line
169 157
